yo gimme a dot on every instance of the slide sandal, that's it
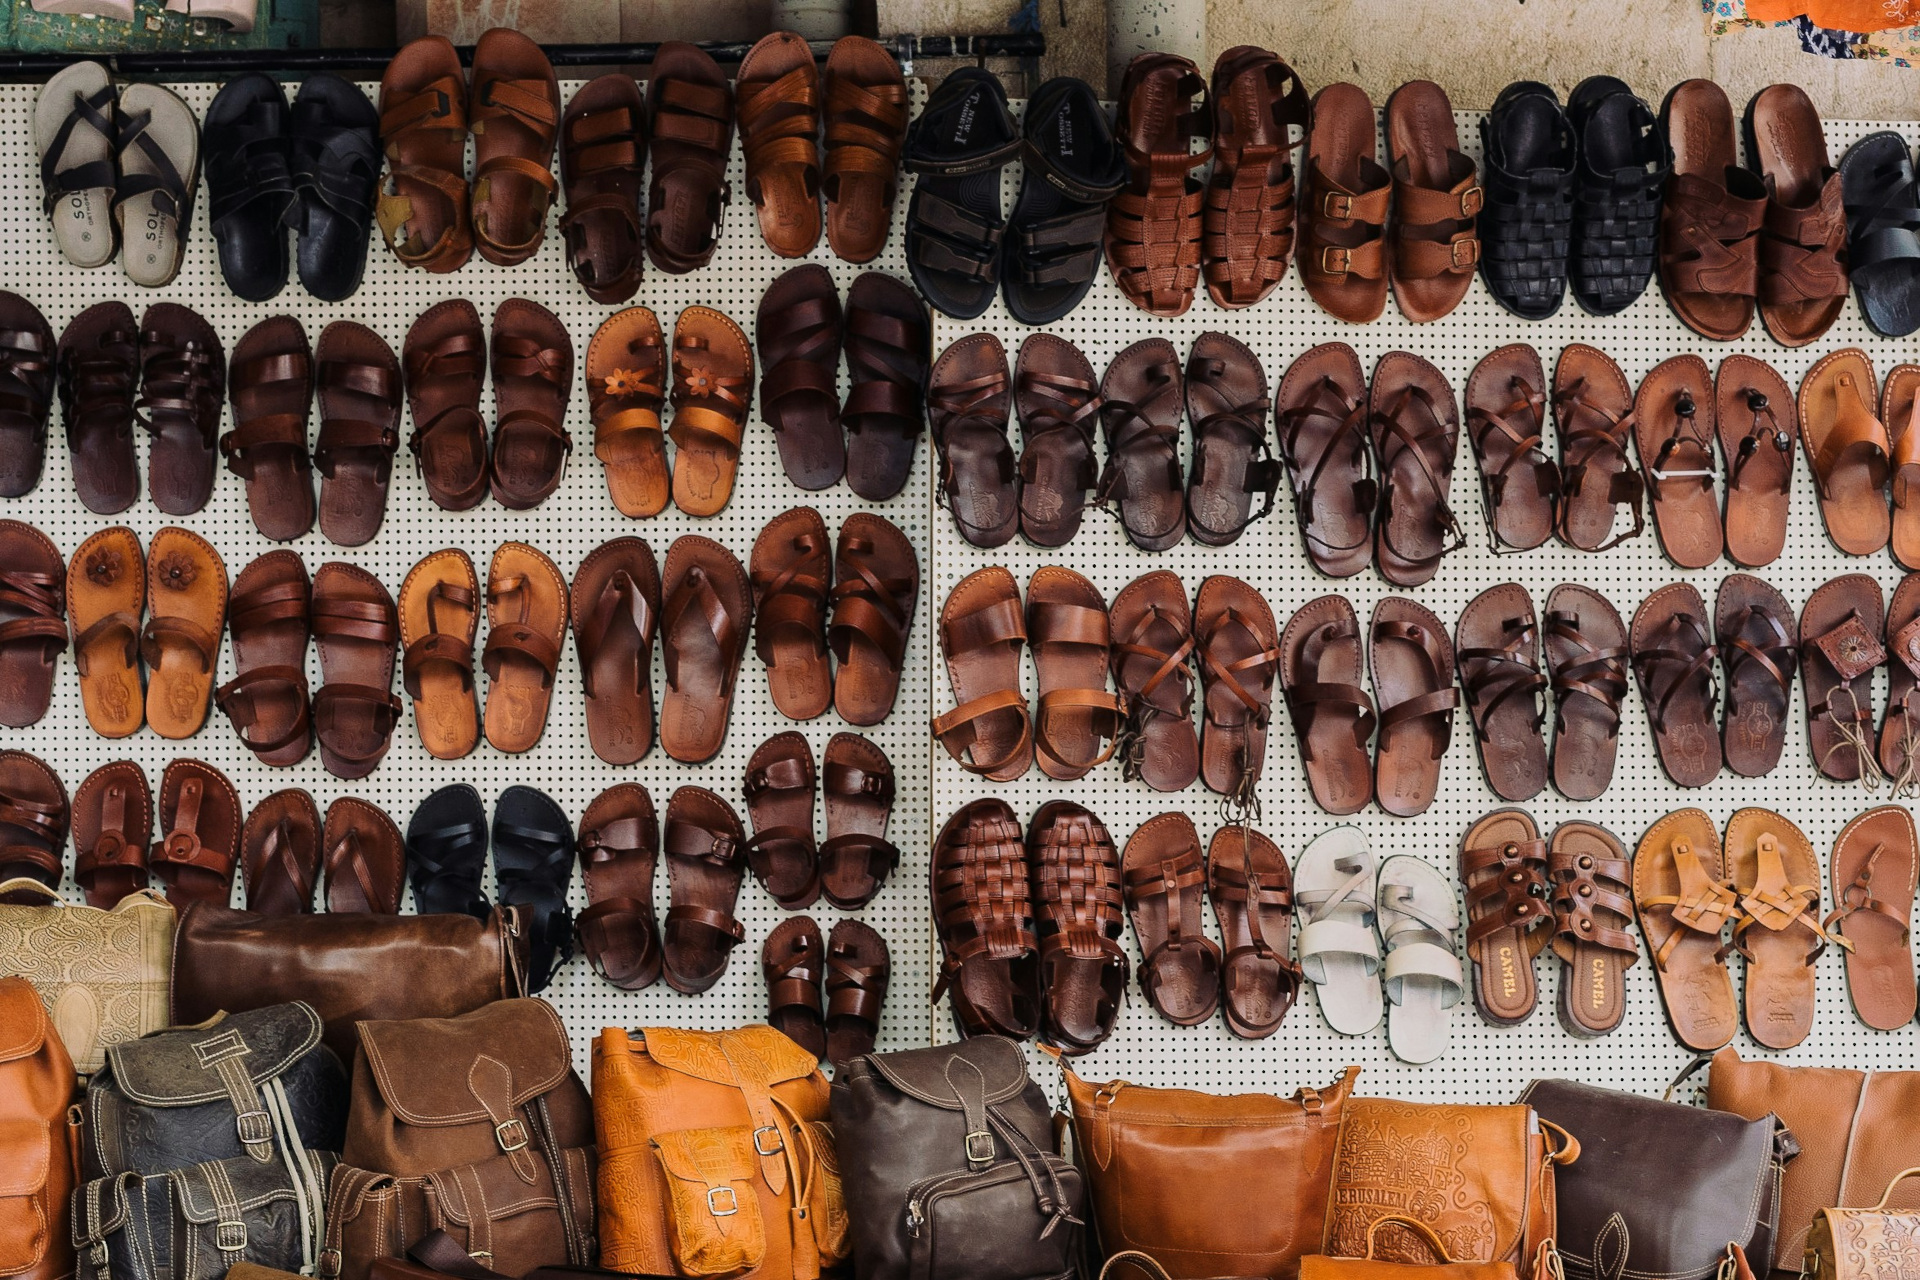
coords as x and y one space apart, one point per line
1420 922
1334 884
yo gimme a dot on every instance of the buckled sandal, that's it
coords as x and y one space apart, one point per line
1496 645
424 210
447 853
1251 889
186 612
603 150
1321 420
271 384
533 865
359 392
1436 197
1754 410
958 145
1591 878
445 355
1754 633
112 816
1711 218
1841 626
875 596
705 620
268 699
855 861
982 630
866 116
1058 402
626 388
1152 629
1165 882
706 861
858 969
1520 485
1848 451
366 860
779 791
33 622
1343 256
106 594
619 843
1240 654
888 345
26 393
1079 902
1503 865
1322 668
616 614
514 113
1073 165
1068 631
969 397
1154 223
793 964
1683 902
527 601
1246 229
439 615
1412 664
357 630
1593 416
34 816
1673 663
1141 398
1414 425
1772 866
1586 651
280 854
777 107
983 917
199 834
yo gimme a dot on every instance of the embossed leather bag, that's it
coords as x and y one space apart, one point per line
36 1144
1865 1244
1135 1142
1438 1266
101 974
1481 1178
476 1126
715 1156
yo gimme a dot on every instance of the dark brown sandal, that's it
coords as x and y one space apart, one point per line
616 609
271 385
857 858
1322 668
793 962
1592 879
357 630
27 366
983 914
1900 727
1758 425
797 332
268 698
1239 648
1068 631
1153 225
1165 882
446 363
366 859
112 820
603 149
705 620
969 395
874 602
514 113
1152 629
98 373
1415 428
1673 415
532 378
1251 889
1753 630
1585 646
619 843
1247 226
1141 399
1233 458
426 216
1840 629
1496 644
1503 864
199 834
780 790
1593 417
34 816
439 614
33 621
982 630
527 603
690 111
889 348
706 860
1506 417
359 394
858 969
1058 403
1412 663
183 379
1080 910
792 572
1673 662
280 854
1321 419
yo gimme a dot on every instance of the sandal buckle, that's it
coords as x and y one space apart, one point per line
1337 204
1469 258
1334 260
1472 200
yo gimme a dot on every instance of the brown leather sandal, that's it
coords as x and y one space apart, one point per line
1436 197
616 612
98 372
446 364
1593 417
969 396
33 819
889 349
1141 397
1520 486
780 789
1874 859
777 108
1503 864
1152 629
603 149
1239 648
1900 412
1755 413
1802 284
1415 428
1247 226
271 385
439 614
1322 668
1673 416
1078 901
690 109
183 378
515 116
874 599
1683 903
27 358
359 396
1591 879
619 843
106 594
1754 632
280 854
1496 644
532 378
1251 889
112 818
1058 402
33 623
268 698
706 861
366 860
1068 631
982 630
712 382
798 331
1840 629
1165 882
1344 251
1412 663
792 573
1847 450
706 618
199 834
626 386
1772 866
424 210
1233 458
1585 647
1673 663
866 110
1900 727
858 969
1153 225
857 858
357 630
187 610
1711 216
983 916
1321 420
526 625
793 963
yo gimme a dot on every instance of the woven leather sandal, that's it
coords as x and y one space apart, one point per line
1247 227
983 915
1623 166
1075 871
1153 225
1527 222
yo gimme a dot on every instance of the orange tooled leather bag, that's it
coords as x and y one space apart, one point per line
37 1154
1368 1267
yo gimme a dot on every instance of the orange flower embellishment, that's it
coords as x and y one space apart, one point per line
176 572
624 382
103 567
697 381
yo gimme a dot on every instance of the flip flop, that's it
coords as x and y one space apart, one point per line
1335 884
1423 979
1873 862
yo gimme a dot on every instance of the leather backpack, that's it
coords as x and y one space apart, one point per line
36 1143
951 1174
474 1125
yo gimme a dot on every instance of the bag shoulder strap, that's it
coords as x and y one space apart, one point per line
1419 1228
1135 1258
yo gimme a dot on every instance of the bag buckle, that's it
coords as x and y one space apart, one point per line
714 1202
253 1126
230 1237
328 1262
778 1146
510 1134
980 1147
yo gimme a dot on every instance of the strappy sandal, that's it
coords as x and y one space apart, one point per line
366 860
1683 903
112 816
1154 224
270 383
957 146
33 819
982 630
797 329
1239 648
616 609
1247 226
618 843
26 393
533 865
250 185
439 615
268 698
423 210
156 148
445 355
1415 429
1068 631
1591 880
983 916
1412 664
777 108
532 360
106 594
1079 902
626 387
858 968
1673 662
603 150
1900 413
1058 403
1321 421
1072 166
793 964
1882 202
1152 629
1593 416
1141 397
1872 919
1673 417
1520 486
74 127
969 397
1840 629
712 383
1422 976
1165 881
514 113
357 386
888 344
186 612
1772 866
336 175
1233 458
875 597
280 854
1900 727
1251 889
200 834
1755 413
357 629
1322 667
447 853
527 610
183 379
706 859
866 115
857 782
1848 451
33 622
1334 884
1503 864
1586 651
690 109
779 791
98 371
705 621
1496 645
1754 633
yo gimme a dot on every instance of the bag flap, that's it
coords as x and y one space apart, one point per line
247 1182
100 1208
426 1068
1465 1171
704 1055
709 1157
180 1066
502 1193
923 1074
26 1154
23 1020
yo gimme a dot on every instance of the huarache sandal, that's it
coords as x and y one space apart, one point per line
446 364
532 378
969 397
186 612
1419 924
1882 202
797 329
112 819
1072 166
712 381
1585 647
1520 486
423 210
957 146
1415 428
705 619
983 914
1874 859
183 378
855 861
1233 456
1141 398
777 106
526 625
982 630
1058 402
98 373
1755 412
26 393
1251 889
1803 282
875 596
626 387
280 854
1900 412
359 392
1773 868
250 186
75 123
793 964
1711 218
1503 864
357 630
1152 630
1334 882
514 112
866 114
1321 420
439 614
365 859
888 342
199 834
1841 626
1900 727
619 843
33 819
336 176
1240 654
1847 451
1083 967
1754 633
157 155
447 853
603 150
106 594
1322 668
1154 224
1069 634
1528 153
1591 910
268 698
690 110
271 384
1593 415
1673 415
533 864
780 789
1623 167
1412 663
33 622
1683 902
706 859
1344 251
1436 196
616 613
1165 882
1247 226
858 968
1497 648
1673 661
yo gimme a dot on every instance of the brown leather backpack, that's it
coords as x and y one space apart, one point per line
36 1146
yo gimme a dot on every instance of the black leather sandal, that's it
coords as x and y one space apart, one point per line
1883 232
1073 167
1526 223
533 864
447 853
336 171
249 184
1616 196
954 228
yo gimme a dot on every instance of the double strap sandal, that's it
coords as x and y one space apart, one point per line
793 964
1083 967
1436 198
26 393
798 337
532 360
270 382
358 389
887 341
1593 414
1165 883
445 360
1803 278
1154 225
603 149
357 630
1343 254
1233 459
1070 636
268 699
619 842
856 859
983 913
982 630
690 107
1246 228
1881 200
1072 166
957 146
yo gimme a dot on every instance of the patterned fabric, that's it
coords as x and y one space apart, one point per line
1897 41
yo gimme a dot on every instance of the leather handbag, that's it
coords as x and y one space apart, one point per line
1135 1142
348 966
1481 1178
36 1143
715 1156
949 1162
1369 1267
1660 1189
1865 1244
476 1126
101 974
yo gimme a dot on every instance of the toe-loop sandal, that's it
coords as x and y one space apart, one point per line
1803 280
1323 668
1673 663
1881 197
186 612
1503 864
1073 165
1585 646
250 191
780 788
1240 656
34 816
705 848
1415 428
1165 883
1321 420
793 964
1593 416
532 360
447 853
1622 170
1841 626
157 154
706 616
280 854
866 126
1079 909
445 356
268 699
777 107
1436 197
199 842
619 843
1673 416
1344 249
1251 889
33 622
1900 413
858 968
888 344
798 333
690 112
366 861
1874 859
1683 902
336 176
1141 398
1711 217
1506 418
514 113
106 594
1755 413
1422 977
1592 880
1246 228
1772 866
1334 893
1412 663
1496 645
98 368
969 399
357 631
1069 633
983 914
1058 403
957 146
75 122
271 385
1529 157
1900 727
26 393
1233 457
982 630
1152 630
357 386
1753 629
856 780
603 151
712 383
112 818
533 864
527 603
183 379
1154 224
875 595
1848 451
424 210
626 388
439 615
616 613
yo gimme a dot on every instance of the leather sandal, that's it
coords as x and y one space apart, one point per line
1873 864
1755 413
1683 902
1520 485
1711 219
1251 889
199 834
1334 885
1073 165
439 614
1899 399
983 917
357 630
1419 924
1153 644
857 781
1772 866
1882 202
1847 451
446 364
1321 420
98 372
1529 154
1503 864
866 115
1415 428
1239 650
1154 224
514 112
1586 652
1436 196
793 963
423 209
271 384
780 789
1233 458
1496 644
706 617
183 378
526 625
1673 416
250 193
1069 633
366 861
1247 226
1344 251
1593 416
797 329
336 178
1141 398
1180 967
533 864
619 843
1753 629
1900 726
712 382
616 614
112 815
957 146
280 854
1412 664
1841 626
690 110
792 573
447 853
187 610
969 397
1673 663
156 156
603 150
875 596
982 630
1802 283
26 393
1322 668
532 377
626 387
1058 402
1083 968
106 594
33 819
268 699
33 622
777 106
74 126
1591 880
706 860
1623 167
858 969
358 389
888 342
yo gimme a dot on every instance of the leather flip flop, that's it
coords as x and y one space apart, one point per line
1673 663
1323 670
1251 889
1153 234
792 573
1503 864
858 968
603 153
875 598
1496 644
982 630
889 348
1233 457
106 594
1415 429
626 386
1141 398
777 106
1344 254
514 112
1239 648
112 819
33 622
989 957
1773 868
866 110
1683 902
706 617
619 843
357 630
1753 630
797 330
1900 412
1058 402
1593 416
270 382
690 108
445 355
1078 901
1755 412
1419 926
27 361
1334 883
1321 421
532 378
199 834
793 963
424 210
1900 726
34 817
533 865
1165 883
1412 663
969 396
712 381
187 610
1436 196
1152 628
780 790
280 854
1873 864
359 394
857 858
447 853
616 613
268 699
1585 646
1591 910
706 860
1071 638
183 379
98 372
1673 416
526 625
1841 626
1847 450
1803 280
365 859
1520 486
439 614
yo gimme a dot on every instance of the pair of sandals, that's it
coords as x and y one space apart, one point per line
856 859
850 965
